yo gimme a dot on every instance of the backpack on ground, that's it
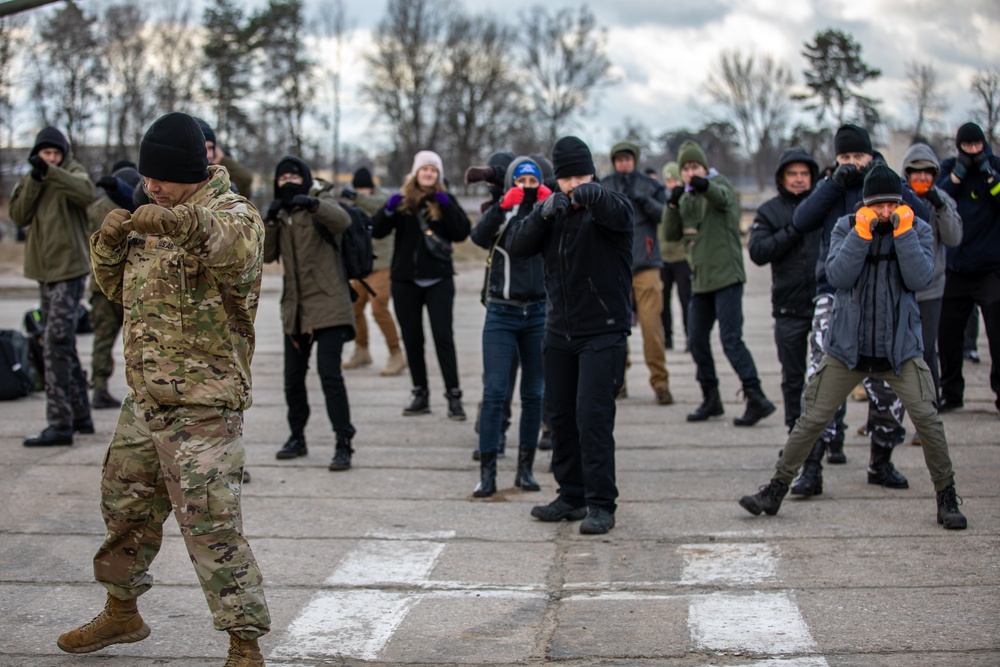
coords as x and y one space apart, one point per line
36 352
16 380
355 246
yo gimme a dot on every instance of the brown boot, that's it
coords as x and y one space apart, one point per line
395 365
243 653
358 359
119 623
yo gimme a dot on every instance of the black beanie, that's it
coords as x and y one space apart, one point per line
882 185
571 157
852 139
362 179
173 150
970 132
50 137
206 129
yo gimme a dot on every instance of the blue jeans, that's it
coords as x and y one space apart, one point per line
510 332
726 306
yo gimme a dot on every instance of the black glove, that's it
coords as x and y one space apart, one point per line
963 164
272 212
305 201
39 167
477 174
982 163
554 205
933 198
348 193
586 194
675 196
844 175
699 184
109 183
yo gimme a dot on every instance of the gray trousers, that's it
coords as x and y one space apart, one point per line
832 383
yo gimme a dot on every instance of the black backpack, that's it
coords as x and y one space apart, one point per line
355 247
16 379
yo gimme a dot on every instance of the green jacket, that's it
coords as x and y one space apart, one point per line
709 223
55 213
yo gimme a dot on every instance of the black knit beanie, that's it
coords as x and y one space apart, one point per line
50 137
970 132
173 150
571 157
206 129
882 184
362 179
852 139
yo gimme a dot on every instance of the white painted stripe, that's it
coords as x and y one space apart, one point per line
764 623
373 562
406 537
727 563
805 661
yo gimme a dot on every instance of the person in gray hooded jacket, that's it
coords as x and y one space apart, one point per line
879 257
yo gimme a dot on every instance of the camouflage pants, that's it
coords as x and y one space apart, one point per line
834 431
189 458
106 318
65 382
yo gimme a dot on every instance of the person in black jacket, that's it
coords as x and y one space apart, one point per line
515 322
792 255
584 233
426 220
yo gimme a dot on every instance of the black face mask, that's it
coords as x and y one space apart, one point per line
883 228
289 190
530 196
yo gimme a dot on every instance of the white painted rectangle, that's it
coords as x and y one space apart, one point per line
735 563
386 562
764 623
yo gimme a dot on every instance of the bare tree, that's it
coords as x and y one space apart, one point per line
756 94
986 84
130 106
11 39
332 26
565 59
923 95
178 59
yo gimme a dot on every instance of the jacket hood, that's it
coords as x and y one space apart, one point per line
300 167
50 137
128 174
508 179
921 156
625 147
796 154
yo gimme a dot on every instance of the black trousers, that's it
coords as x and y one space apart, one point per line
329 345
678 273
962 293
409 300
791 336
582 377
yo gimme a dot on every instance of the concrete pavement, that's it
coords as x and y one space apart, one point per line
394 563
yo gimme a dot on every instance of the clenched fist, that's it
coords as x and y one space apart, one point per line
154 220
116 227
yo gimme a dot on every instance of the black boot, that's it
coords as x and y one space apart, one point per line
710 407
767 499
100 399
948 514
525 478
83 425
758 407
50 436
881 471
810 482
487 475
455 411
835 451
295 446
342 454
420 405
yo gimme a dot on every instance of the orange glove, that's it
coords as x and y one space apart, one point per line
863 221
902 220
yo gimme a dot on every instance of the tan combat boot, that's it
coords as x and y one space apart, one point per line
358 359
395 365
119 623
243 653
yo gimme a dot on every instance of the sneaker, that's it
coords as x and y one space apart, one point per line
597 522
767 499
358 359
100 399
395 365
51 436
118 623
558 510
948 513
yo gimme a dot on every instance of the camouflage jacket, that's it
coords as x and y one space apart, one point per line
190 300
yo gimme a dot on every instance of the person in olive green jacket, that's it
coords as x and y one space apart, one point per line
676 270
300 225
705 214
51 203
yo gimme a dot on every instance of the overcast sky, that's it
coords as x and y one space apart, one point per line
663 51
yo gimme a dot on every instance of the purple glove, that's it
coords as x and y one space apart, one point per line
442 198
394 202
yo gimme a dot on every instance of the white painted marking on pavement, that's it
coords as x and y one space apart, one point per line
726 563
382 562
765 623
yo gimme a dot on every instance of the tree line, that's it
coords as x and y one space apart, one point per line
434 76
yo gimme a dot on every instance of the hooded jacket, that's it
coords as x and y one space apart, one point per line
979 207
829 202
587 252
715 251
648 198
55 212
516 281
875 312
792 255
944 221
315 294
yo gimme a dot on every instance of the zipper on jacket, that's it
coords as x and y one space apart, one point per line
878 249
562 282
593 289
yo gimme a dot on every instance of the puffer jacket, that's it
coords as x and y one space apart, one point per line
190 300
875 312
792 255
979 207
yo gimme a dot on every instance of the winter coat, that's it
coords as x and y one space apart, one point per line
791 254
715 251
829 202
239 176
979 207
647 197
875 310
944 222
587 253
190 300
411 260
55 212
315 293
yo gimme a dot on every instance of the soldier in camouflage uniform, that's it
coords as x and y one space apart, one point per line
187 270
